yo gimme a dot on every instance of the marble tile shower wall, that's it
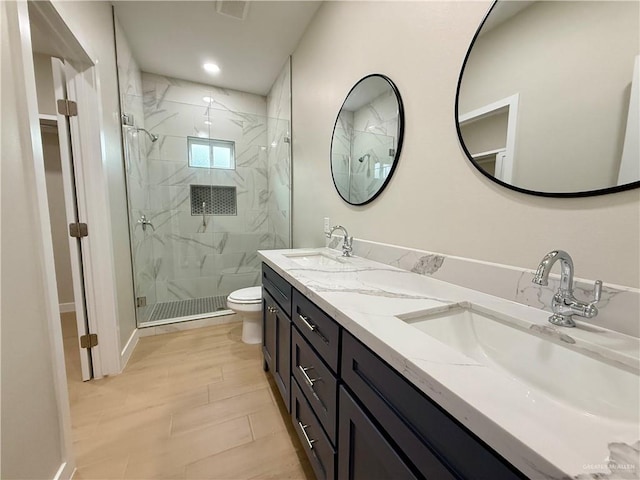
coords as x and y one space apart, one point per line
195 256
279 159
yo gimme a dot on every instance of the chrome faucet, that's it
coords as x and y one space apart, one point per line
564 304
346 246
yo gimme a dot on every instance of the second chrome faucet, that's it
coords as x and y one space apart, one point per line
347 244
564 304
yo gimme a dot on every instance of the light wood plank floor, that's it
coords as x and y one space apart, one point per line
190 405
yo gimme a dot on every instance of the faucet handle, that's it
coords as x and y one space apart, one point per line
597 292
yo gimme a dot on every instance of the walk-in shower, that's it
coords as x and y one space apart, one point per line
201 203
208 185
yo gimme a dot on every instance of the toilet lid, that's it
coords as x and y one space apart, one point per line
247 295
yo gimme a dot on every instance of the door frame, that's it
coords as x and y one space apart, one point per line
20 38
92 192
504 171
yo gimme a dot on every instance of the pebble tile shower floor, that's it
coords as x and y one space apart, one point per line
194 404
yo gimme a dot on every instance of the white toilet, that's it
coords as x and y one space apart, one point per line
247 302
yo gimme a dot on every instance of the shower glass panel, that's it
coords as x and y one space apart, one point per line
210 191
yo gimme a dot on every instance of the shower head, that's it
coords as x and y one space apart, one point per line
366 156
152 137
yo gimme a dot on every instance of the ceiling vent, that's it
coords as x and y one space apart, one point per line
233 8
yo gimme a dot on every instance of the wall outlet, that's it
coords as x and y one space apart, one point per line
327 224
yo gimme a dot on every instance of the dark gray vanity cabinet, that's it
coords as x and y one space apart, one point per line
319 449
428 437
315 346
364 452
357 417
276 331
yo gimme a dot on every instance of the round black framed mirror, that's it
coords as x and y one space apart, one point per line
548 97
367 139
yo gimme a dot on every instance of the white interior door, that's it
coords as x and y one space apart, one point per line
71 206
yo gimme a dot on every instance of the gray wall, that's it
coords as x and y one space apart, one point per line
437 201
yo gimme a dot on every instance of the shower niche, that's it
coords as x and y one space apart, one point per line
213 200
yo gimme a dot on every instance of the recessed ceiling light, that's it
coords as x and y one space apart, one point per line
211 68
207 99
207 122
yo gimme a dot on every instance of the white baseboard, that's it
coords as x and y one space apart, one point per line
65 472
67 307
128 349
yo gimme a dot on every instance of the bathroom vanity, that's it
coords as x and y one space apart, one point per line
379 386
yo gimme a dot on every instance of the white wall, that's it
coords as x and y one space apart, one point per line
32 433
437 200
94 26
53 171
44 84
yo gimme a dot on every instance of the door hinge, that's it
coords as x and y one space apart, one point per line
78 230
68 108
141 301
89 341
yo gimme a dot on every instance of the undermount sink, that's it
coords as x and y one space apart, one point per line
320 260
580 382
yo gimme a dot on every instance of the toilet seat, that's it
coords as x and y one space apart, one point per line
246 296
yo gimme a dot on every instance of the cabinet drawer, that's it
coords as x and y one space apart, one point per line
278 287
316 444
435 439
364 452
316 382
318 328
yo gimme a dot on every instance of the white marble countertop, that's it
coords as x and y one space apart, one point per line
542 436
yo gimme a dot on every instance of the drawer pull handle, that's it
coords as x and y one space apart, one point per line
309 325
310 381
312 327
306 437
272 309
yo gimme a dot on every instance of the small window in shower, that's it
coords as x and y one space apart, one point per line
211 153
213 200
